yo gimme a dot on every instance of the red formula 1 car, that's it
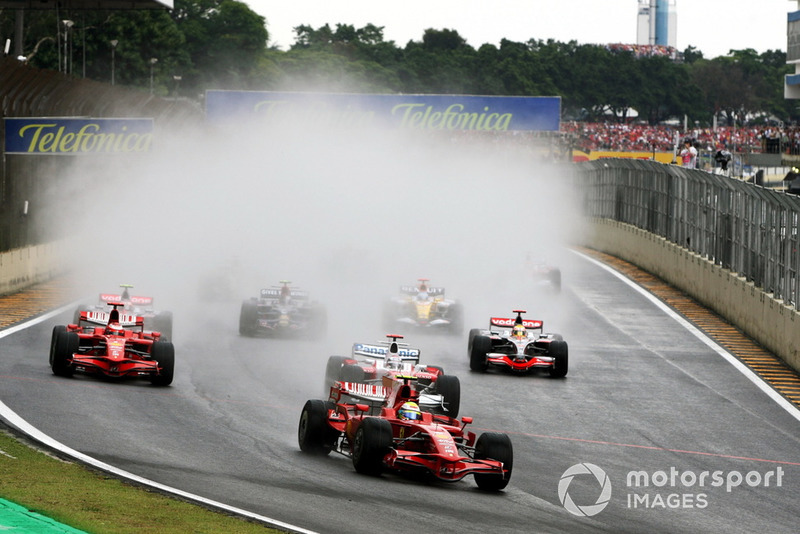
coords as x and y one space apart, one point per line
111 345
371 362
517 345
381 429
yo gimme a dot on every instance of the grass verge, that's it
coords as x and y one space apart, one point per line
92 501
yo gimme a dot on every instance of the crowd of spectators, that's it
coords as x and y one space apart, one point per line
644 138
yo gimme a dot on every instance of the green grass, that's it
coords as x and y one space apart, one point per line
92 501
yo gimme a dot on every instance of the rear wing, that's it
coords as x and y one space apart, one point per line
413 290
101 319
504 322
138 301
381 350
275 293
370 393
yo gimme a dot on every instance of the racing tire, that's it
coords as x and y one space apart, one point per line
472 333
248 317
162 323
333 370
163 352
481 345
373 440
352 373
64 345
456 316
449 387
494 446
555 281
76 317
560 353
56 330
314 434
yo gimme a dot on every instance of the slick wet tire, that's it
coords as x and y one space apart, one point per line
64 345
560 353
56 330
164 353
333 371
162 323
314 434
449 387
352 373
472 333
494 446
248 317
373 440
481 345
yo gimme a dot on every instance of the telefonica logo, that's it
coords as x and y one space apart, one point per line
604 491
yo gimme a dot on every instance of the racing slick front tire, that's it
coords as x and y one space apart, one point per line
372 442
76 317
163 352
481 345
162 323
56 330
314 435
248 317
449 387
63 346
353 373
494 446
333 370
560 353
472 333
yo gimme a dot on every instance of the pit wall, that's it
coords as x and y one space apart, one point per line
23 267
768 321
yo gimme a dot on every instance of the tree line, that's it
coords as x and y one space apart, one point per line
223 44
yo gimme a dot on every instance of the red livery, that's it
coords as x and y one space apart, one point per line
381 429
111 345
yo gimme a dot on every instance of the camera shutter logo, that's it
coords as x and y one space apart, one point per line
602 480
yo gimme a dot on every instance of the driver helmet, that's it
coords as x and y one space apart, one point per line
409 411
519 332
114 329
422 295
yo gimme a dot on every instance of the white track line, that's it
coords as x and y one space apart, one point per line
790 408
11 417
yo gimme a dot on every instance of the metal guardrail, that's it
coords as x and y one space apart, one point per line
746 228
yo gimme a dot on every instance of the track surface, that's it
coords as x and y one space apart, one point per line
643 394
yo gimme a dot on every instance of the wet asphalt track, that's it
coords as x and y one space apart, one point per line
643 394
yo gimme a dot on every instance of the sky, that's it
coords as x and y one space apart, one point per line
712 26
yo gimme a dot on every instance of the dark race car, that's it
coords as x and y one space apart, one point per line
381 428
517 345
423 308
282 312
111 345
158 321
370 363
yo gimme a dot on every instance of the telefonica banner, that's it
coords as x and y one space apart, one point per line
420 112
68 136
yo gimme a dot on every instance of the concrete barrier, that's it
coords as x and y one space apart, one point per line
23 267
768 321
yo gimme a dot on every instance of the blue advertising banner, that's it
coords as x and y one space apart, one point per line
68 136
422 112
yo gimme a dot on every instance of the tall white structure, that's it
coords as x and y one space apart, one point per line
791 86
657 23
